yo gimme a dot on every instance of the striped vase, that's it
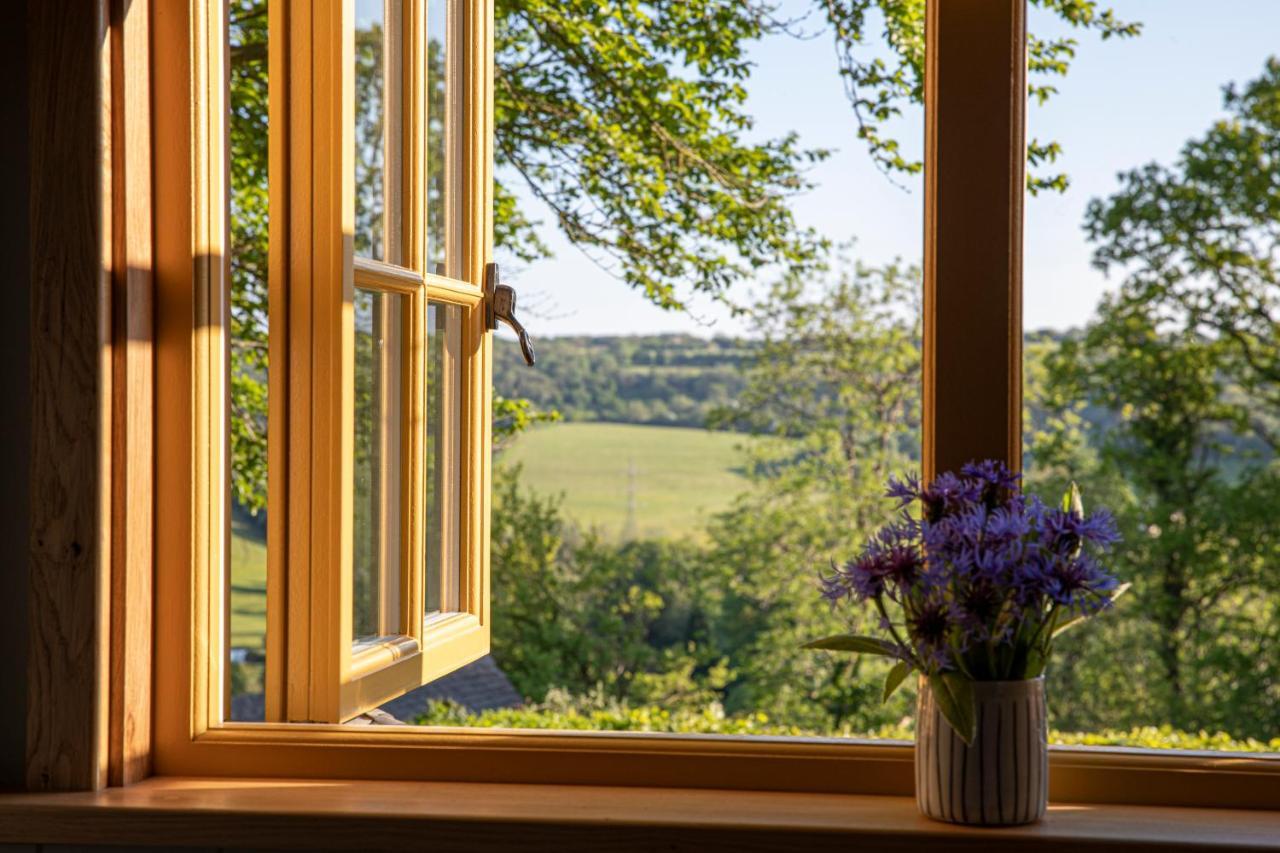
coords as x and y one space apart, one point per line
1002 778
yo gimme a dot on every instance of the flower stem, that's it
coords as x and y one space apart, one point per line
894 632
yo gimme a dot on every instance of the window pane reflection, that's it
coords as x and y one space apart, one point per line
444 427
379 437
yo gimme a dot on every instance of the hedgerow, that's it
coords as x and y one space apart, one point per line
562 715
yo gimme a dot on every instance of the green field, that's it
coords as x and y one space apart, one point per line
674 477
248 587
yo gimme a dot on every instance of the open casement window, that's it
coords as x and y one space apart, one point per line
378 442
379 409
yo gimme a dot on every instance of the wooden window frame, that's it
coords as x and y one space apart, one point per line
313 278
975 96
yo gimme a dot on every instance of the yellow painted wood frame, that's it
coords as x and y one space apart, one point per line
975 97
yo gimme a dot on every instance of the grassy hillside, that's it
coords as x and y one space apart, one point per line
248 586
674 476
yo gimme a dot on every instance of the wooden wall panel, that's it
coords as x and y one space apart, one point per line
69 334
975 155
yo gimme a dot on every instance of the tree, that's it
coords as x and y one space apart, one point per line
576 613
1186 355
247 144
1195 645
832 397
629 120
1199 241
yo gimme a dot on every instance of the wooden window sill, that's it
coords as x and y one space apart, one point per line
456 816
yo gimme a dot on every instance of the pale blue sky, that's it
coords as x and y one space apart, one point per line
1125 102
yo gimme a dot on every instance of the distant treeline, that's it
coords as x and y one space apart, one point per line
663 380
666 380
679 380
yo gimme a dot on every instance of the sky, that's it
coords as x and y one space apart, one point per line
1124 103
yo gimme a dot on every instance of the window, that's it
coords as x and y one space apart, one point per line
1150 367
357 354
377 400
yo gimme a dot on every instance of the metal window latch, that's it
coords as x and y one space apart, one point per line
500 304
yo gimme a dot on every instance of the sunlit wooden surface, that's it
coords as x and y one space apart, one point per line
408 815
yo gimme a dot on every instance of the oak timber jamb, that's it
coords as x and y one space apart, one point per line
70 366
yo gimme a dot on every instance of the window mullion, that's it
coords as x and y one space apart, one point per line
975 160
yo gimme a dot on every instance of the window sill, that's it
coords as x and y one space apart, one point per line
457 816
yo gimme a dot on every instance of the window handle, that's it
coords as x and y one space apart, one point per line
500 304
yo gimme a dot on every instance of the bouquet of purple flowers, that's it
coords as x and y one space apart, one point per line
973 582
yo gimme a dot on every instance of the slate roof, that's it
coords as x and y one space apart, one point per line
478 686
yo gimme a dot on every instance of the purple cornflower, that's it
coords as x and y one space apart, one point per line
978 607
1065 531
970 562
929 626
996 480
905 492
948 494
1079 584
1008 523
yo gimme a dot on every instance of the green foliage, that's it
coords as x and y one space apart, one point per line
854 643
954 695
247 155
832 394
1184 355
1198 243
512 417
1198 641
894 679
726 619
628 120
681 380
662 380
567 713
578 613
880 85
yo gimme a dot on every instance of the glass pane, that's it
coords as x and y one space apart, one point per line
247 209
379 437
443 161
444 432
1152 311
377 132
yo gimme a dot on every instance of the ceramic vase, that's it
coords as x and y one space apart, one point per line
1002 778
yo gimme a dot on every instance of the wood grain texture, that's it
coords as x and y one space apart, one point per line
69 335
175 292
129 735
974 169
294 814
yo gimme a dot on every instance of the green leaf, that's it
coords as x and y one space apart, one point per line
855 643
954 695
895 678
